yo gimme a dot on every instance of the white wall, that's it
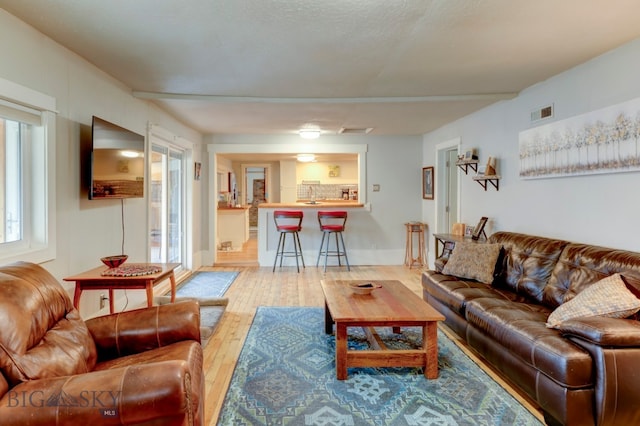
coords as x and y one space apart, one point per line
393 162
86 230
320 171
594 209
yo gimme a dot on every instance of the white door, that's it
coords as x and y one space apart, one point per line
447 186
167 204
451 193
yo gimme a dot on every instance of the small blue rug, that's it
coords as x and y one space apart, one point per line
206 284
286 376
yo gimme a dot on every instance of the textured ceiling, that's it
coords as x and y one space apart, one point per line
274 66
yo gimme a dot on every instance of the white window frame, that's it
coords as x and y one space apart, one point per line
39 239
157 135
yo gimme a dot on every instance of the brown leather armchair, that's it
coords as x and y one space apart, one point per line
137 367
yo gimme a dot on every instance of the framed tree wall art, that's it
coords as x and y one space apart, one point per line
427 183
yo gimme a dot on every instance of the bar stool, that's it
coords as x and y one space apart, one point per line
332 222
417 229
288 222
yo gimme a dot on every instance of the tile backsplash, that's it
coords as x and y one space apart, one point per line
324 191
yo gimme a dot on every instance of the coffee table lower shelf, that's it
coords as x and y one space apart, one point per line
379 355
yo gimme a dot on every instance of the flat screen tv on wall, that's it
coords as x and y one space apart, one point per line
117 162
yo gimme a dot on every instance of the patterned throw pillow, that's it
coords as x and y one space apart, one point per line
608 297
473 261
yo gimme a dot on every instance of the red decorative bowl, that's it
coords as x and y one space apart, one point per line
114 261
363 288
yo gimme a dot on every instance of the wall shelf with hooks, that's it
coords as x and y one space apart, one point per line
493 180
465 165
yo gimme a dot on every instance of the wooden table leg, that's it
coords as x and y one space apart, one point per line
328 320
408 248
76 295
111 301
172 278
149 289
430 346
341 351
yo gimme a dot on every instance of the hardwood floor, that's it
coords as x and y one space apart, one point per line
258 286
247 256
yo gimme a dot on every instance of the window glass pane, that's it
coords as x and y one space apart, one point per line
157 202
11 186
175 207
27 174
166 209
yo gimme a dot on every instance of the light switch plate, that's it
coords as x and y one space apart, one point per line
376 187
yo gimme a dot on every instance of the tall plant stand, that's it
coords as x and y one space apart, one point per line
415 231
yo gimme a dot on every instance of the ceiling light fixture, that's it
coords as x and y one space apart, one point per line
309 133
129 154
306 158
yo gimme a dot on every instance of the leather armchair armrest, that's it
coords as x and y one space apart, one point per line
4 386
157 392
604 331
140 330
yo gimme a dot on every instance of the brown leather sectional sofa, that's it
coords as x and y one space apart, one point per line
585 373
137 367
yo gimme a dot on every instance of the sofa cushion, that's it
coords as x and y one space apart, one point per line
473 261
608 297
42 334
520 329
454 292
632 281
528 262
582 265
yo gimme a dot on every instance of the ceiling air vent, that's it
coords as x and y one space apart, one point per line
355 130
542 113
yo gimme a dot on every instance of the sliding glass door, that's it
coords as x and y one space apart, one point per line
167 212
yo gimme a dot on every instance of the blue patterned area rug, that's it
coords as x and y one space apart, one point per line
206 284
286 376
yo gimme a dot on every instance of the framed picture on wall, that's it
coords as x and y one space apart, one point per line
427 183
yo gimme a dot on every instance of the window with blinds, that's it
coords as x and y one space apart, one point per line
27 174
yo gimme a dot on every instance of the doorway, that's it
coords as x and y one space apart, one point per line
255 183
448 204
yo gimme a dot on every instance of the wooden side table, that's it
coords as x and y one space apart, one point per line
420 258
94 280
448 242
452 238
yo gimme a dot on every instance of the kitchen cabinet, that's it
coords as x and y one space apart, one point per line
233 225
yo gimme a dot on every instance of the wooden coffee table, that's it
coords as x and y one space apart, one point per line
392 305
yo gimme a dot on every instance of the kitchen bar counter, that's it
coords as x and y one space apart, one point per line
359 237
329 204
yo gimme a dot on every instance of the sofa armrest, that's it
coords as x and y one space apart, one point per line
158 393
614 346
604 331
140 330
